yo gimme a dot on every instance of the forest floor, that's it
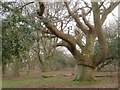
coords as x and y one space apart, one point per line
58 79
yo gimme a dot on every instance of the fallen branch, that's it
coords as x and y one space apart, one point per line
103 76
46 76
49 76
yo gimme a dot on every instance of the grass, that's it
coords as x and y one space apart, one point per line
30 81
35 80
17 83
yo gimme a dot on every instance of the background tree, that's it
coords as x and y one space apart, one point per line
16 36
21 35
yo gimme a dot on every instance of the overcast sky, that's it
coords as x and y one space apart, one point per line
110 16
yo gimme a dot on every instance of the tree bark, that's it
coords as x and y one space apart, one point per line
86 59
3 69
16 67
102 54
85 74
45 68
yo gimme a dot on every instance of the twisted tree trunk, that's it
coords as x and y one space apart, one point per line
3 68
86 59
85 74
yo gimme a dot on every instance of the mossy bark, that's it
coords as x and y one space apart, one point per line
85 74
45 67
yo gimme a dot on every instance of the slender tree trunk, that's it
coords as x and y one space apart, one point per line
16 67
3 69
29 64
45 67
85 74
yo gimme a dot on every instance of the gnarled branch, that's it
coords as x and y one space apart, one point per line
101 56
60 34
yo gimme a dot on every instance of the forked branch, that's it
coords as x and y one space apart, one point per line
108 10
76 18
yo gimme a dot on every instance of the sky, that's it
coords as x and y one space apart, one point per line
110 16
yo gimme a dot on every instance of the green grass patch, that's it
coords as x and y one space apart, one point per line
17 83
85 82
31 81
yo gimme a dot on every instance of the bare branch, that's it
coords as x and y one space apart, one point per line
66 24
106 62
76 18
86 4
26 5
101 4
80 15
60 34
62 43
79 43
108 10
46 31
85 20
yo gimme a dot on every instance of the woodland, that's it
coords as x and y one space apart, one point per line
62 44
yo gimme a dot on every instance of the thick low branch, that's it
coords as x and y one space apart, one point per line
55 31
108 10
58 33
68 38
